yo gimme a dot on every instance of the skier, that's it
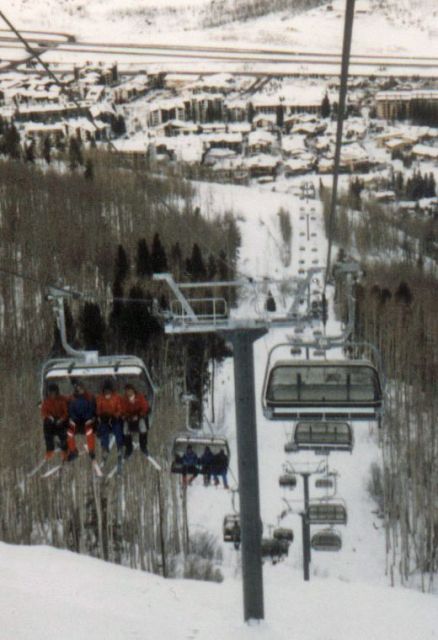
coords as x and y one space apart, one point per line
135 410
109 416
220 468
190 465
206 461
82 418
54 411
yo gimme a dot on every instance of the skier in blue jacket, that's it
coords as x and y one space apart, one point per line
82 418
190 465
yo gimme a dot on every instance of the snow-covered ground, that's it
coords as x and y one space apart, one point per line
46 594
408 27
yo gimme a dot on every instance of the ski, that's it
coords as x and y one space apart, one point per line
153 462
51 471
97 470
113 472
38 467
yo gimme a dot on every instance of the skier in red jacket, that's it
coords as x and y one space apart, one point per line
54 411
109 416
135 410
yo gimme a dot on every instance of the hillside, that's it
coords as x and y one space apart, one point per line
407 27
47 594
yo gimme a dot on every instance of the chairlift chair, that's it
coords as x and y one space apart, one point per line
231 528
295 389
322 436
328 513
324 483
198 444
93 371
288 480
274 548
283 533
326 540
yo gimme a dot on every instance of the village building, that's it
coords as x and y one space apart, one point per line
236 110
425 151
262 165
293 145
220 83
399 105
265 121
261 141
232 141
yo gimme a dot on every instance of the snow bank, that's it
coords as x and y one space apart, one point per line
47 593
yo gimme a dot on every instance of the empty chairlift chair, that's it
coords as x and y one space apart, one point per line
326 540
324 483
198 444
288 480
231 528
330 389
321 436
328 513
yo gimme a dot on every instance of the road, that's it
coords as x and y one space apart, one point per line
62 49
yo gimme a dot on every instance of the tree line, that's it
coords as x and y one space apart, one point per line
102 237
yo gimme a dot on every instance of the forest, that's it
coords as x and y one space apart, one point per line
103 237
397 310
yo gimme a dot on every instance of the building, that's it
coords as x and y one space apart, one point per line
399 105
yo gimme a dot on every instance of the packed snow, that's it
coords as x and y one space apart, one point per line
47 594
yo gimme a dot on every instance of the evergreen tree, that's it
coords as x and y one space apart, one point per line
75 153
118 125
251 112
11 142
403 294
30 152
121 270
224 271
280 116
138 322
92 327
47 150
211 267
430 188
197 270
158 256
270 303
143 262
325 107
176 259
89 170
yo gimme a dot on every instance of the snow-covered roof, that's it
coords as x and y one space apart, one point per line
231 138
407 94
261 160
293 144
242 127
265 117
425 151
130 145
260 137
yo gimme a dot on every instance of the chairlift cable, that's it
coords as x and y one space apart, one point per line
35 54
348 31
